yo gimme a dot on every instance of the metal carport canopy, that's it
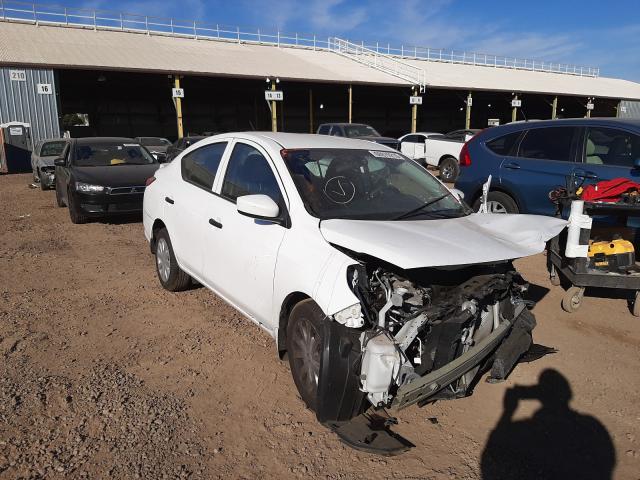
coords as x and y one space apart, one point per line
85 48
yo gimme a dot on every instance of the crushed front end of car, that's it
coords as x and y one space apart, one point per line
427 334
421 334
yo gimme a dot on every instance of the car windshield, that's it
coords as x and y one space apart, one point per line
368 185
360 131
105 154
154 141
52 149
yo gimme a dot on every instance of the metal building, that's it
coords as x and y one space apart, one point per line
29 95
116 70
629 109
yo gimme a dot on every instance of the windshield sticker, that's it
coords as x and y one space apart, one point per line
131 144
340 190
380 154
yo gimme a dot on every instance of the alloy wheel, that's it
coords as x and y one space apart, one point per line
496 207
163 259
306 354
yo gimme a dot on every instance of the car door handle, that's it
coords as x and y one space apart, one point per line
512 166
585 174
169 200
215 223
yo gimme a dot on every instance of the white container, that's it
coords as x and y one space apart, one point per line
577 222
380 366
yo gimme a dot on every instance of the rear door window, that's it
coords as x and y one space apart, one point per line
200 166
505 144
610 146
553 143
413 139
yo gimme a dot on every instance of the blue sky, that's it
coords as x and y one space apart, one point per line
591 33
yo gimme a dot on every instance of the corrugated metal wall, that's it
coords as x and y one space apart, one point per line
21 102
630 109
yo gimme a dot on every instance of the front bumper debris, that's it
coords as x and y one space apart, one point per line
421 389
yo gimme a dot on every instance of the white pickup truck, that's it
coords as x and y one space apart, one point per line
438 150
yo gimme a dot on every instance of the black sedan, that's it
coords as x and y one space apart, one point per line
103 176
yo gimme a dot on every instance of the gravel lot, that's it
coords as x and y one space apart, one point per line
104 374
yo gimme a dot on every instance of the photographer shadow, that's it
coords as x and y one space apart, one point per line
555 443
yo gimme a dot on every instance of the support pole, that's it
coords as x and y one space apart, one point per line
467 118
554 108
350 103
310 111
589 111
274 113
176 81
618 105
514 110
414 113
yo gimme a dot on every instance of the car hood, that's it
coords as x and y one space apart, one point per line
157 148
476 238
115 175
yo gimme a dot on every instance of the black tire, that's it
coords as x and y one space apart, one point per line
449 170
499 202
59 201
305 339
42 184
171 276
75 213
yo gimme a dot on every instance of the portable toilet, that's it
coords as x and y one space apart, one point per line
15 147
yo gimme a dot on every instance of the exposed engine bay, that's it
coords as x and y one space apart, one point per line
421 335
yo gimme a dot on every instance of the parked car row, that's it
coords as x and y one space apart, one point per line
374 278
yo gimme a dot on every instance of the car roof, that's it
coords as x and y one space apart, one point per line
95 140
344 123
307 140
494 132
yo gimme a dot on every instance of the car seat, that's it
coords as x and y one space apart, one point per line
591 156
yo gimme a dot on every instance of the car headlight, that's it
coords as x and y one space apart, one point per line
350 317
88 188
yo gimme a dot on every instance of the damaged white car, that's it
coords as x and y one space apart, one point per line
379 283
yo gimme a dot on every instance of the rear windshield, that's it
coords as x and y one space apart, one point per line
106 154
52 149
154 141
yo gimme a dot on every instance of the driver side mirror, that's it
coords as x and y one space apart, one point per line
258 206
60 162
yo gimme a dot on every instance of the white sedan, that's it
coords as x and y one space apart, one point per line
380 284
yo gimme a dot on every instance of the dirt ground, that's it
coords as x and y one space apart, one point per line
105 374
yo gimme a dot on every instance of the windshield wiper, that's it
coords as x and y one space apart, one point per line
417 210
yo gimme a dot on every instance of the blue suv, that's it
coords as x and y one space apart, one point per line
529 159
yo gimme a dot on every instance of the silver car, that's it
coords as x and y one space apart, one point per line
42 157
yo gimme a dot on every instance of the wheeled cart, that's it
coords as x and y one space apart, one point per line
578 272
